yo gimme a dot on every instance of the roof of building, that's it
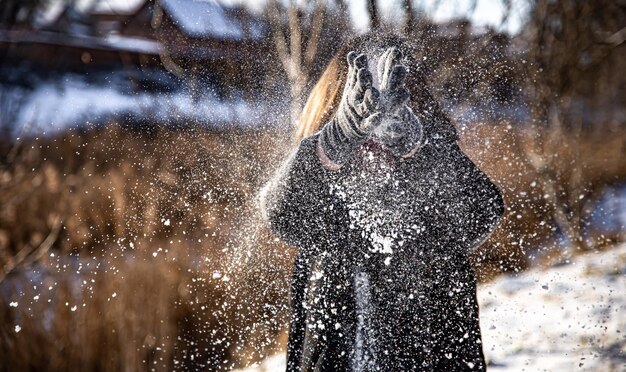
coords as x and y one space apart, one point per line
195 18
121 7
209 18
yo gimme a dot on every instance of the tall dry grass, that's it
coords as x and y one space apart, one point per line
527 232
133 250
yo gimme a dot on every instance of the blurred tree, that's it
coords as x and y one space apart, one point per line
296 54
410 16
166 59
372 8
573 48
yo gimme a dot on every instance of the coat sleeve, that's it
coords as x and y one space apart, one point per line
296 201
454 199
482 204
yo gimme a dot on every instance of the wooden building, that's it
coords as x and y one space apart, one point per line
180 34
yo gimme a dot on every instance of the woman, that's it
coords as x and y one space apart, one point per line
384 208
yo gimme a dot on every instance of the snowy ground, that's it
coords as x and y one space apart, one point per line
47 105
566 318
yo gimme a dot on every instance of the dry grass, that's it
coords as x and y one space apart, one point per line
164 221
596 156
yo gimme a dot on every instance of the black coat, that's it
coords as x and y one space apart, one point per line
382 280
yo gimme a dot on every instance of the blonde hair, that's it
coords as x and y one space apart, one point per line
324 98
326 94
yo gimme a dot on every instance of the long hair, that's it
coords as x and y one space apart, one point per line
326 94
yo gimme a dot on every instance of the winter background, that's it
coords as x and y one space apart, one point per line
135 135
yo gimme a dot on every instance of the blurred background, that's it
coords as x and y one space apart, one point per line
135 134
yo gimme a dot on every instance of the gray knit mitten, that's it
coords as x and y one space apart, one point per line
356 116
400 130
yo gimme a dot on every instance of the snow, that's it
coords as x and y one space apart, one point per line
131 44
51 10
116 43
564 318
271 364
71 100
203 18
365 358
117 6
610 213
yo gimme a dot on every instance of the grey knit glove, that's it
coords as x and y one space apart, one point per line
357 115
400 130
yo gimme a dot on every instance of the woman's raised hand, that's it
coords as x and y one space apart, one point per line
360 95
358 113
401 130
392 78
364 111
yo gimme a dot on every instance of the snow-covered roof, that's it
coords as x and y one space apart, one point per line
208 18
122 7
51 10
196 18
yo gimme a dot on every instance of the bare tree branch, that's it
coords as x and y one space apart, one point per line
164 55
617 38
506 14
372 7
316 31
297 60
279 37
28 254
295 37
410 17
